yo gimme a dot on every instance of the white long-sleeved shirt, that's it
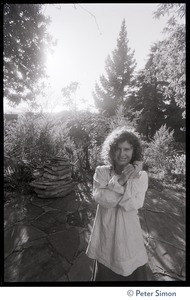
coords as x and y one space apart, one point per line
116 239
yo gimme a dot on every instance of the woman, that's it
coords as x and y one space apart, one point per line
119 187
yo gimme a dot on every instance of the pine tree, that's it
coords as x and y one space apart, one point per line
171 57
155 107
114 88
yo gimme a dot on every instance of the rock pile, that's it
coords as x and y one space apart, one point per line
53 178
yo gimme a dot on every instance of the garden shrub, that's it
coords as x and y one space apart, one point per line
17 174
158 152
35 137
29 139
28 142
177 167
178 164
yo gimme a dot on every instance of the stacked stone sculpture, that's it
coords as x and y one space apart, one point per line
53 178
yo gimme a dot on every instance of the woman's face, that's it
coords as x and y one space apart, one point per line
123 154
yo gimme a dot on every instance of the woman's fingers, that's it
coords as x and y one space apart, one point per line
131 171
134 174
128 173
129 168
138 165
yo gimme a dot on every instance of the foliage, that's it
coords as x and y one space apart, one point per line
25 44
17 174
148 101
177 10
28 142
120 119
158 152
30 138
86 133
69 95
156 97
35 137
170 60
114 88
161 158
178 163
154 106
159 97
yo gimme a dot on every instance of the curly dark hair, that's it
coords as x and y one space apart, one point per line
119 135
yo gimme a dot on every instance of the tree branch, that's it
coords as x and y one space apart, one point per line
88 13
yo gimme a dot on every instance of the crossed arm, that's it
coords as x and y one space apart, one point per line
111 193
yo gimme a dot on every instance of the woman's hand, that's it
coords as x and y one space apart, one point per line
138 165
126 173
130 171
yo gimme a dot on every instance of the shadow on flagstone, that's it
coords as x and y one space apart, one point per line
46 239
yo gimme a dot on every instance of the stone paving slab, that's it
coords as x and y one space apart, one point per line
160 202
82 269
18 235
32 243
12 214
51 221
17 212
166 259
69 203
33 236
164 277
63 278
163 227
176 197
48 208
36 263
78 218
66 242
163 224
32 211
41 202
84 238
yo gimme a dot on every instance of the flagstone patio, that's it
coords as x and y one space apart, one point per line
45 239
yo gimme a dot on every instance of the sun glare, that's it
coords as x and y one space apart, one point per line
62 71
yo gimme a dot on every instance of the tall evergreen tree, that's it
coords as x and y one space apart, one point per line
155 106
160 96
148 99
114 88
171 57
25 43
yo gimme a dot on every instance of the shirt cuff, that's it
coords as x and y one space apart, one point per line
114 185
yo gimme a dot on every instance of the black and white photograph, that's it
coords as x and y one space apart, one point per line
94 113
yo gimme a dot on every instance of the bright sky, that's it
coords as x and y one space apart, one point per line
86 34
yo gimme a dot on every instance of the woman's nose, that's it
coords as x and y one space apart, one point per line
122 152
